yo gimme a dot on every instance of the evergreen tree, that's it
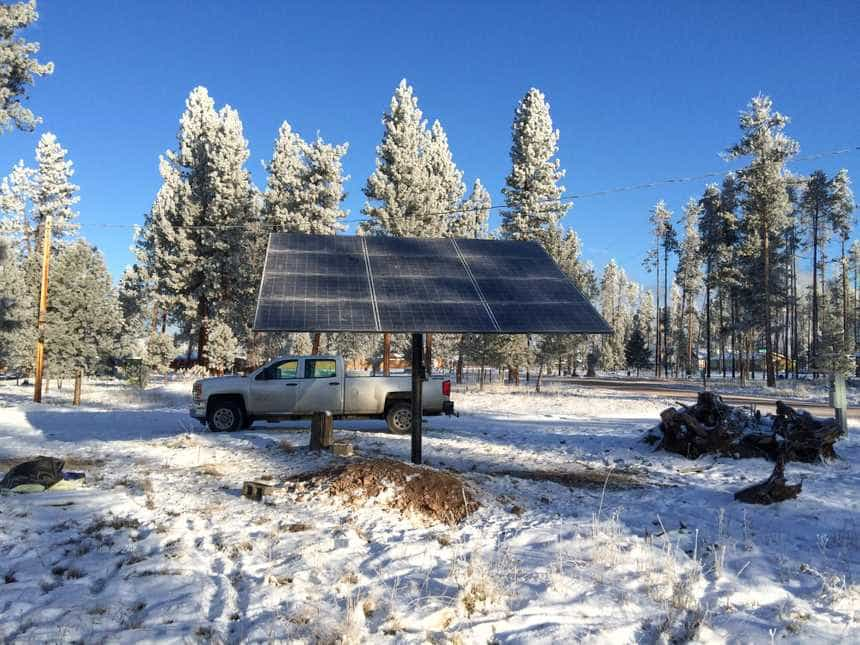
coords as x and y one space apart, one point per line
473 220
404 191
688 275
204 224
445 186
842 221
53 192
815 208
636 353
160 351
765 195
532 191
305 185
16 195
835 354
18 65
84 320
13 305
223 347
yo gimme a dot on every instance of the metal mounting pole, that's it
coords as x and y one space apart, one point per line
417 385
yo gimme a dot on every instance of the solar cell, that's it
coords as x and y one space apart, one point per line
343 283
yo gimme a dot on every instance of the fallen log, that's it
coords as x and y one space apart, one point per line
771 490
713 427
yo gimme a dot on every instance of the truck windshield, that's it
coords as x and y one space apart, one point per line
320 368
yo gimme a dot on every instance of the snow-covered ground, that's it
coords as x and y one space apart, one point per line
161 546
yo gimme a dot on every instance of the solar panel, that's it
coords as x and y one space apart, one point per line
375 284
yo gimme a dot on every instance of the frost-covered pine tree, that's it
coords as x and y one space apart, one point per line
664 235
305 190
205 220
223 347
15 311
445 187
402 191
532 190
160 351
842 220
84 320
472 220
16 200
765 194
688 277
18 65
54 193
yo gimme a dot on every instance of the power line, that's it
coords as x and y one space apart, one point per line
455 210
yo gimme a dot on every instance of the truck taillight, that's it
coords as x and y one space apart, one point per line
197 391
446 388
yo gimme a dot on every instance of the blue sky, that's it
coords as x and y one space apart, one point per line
639 92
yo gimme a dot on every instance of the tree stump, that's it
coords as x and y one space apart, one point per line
771 490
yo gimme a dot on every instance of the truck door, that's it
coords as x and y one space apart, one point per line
322 388
276 388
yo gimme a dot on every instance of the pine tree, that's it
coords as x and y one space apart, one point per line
636 353
688 275
84 319
305 185
842 221
160 351
53 192
532 191
403 192
13 305
472 220
815 205
664 239
445 185
223 347
16 195
204 224
765 196
19 66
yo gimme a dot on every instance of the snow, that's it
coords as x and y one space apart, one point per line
161 546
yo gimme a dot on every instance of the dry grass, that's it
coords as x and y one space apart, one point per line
582 477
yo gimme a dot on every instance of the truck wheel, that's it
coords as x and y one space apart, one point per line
225 416
399 418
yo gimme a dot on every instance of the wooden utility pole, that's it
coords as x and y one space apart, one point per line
386 354
43 311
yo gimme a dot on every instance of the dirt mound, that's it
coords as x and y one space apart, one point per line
434 494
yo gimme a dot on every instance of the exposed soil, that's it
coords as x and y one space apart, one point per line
590 478
436 495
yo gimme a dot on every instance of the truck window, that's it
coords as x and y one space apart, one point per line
320 368
280 371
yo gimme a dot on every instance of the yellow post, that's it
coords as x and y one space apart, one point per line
43 311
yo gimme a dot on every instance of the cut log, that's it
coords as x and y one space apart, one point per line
771 490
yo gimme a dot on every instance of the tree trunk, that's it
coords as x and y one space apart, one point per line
768 331
813 340
76 397
202 334
665 313
539 378
315 346
459 376
844 296
657 355
386 354
428 355
708 323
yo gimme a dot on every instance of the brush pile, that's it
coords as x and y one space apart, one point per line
714 427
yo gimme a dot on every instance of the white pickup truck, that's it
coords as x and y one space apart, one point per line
293 387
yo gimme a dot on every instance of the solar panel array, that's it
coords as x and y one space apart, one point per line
387 284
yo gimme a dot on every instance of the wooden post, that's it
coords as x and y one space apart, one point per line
417 385
386 354
76 398
43 311
315 349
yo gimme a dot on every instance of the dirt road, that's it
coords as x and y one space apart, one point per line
686 393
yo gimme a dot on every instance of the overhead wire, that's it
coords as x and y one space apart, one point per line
556 203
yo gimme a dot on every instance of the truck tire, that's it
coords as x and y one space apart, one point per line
225 416
399 418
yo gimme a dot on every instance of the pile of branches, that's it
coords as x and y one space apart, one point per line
713 427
